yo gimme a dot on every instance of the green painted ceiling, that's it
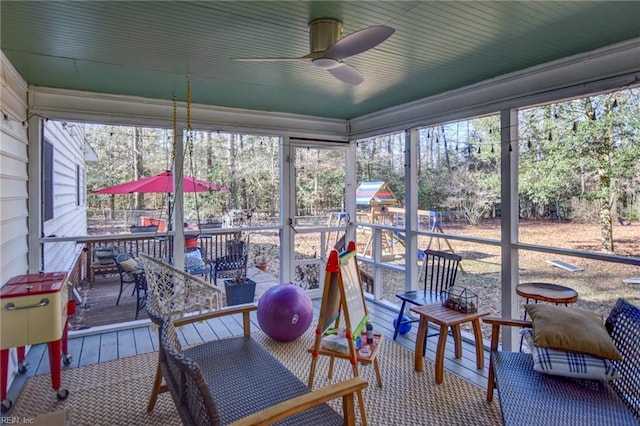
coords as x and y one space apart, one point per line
147 48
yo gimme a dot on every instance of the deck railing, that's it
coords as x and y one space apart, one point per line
213 244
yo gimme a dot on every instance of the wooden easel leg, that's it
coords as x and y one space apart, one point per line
314 357
331 363
312 372
376 368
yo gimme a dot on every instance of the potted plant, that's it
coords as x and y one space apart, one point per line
105 255
261 256
239 289
134 229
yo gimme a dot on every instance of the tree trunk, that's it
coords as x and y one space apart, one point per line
446 150
605 226
209 147
112 205
233 198
601 147
606 195
138 200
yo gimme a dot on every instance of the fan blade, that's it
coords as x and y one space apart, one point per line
347 74
358 42
302 58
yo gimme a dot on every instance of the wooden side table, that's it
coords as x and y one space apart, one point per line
546 292
446 318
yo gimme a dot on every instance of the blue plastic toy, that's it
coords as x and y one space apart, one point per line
405 327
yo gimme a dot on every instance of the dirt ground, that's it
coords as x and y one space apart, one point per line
599 284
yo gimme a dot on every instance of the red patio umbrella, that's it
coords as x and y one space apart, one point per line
161 183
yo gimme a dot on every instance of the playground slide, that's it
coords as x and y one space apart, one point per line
399 237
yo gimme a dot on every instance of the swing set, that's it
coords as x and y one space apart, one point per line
383 210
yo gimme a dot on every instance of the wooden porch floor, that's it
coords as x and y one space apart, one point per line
105 343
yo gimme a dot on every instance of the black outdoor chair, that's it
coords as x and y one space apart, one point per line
439 271
140 279
229 266
233 264
126 277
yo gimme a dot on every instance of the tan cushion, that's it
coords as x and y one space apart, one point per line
571 330
129 265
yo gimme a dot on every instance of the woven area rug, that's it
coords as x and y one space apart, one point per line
116 392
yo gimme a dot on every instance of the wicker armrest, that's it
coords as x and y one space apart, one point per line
495 327
231 310
507 322
495 338
344 389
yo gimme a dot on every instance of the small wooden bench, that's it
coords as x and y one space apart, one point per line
101 269
529 397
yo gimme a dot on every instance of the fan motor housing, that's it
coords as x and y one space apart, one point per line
324 33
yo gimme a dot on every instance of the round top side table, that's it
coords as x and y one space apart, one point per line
547 292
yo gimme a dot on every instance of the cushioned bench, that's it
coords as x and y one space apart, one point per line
235 380
529 397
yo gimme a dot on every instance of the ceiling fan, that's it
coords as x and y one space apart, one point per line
328 48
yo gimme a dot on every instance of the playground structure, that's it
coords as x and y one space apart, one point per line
384 210
336 239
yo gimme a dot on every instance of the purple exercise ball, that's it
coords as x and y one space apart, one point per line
285 312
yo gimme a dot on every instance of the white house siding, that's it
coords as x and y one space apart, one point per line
69 218
13 180
13 173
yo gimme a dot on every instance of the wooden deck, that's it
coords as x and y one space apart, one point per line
99 300
108 342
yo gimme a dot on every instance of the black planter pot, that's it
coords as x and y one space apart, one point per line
238 293
134 229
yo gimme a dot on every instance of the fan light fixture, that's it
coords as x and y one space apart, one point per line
325 63
328 48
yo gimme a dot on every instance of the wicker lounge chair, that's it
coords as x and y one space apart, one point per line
236 381
231 380
529 397
172 293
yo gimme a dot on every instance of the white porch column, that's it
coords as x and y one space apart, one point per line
287 187
411 138
35 194
509 223
178 199
350 180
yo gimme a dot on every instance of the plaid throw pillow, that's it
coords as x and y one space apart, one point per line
194 263
569 364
